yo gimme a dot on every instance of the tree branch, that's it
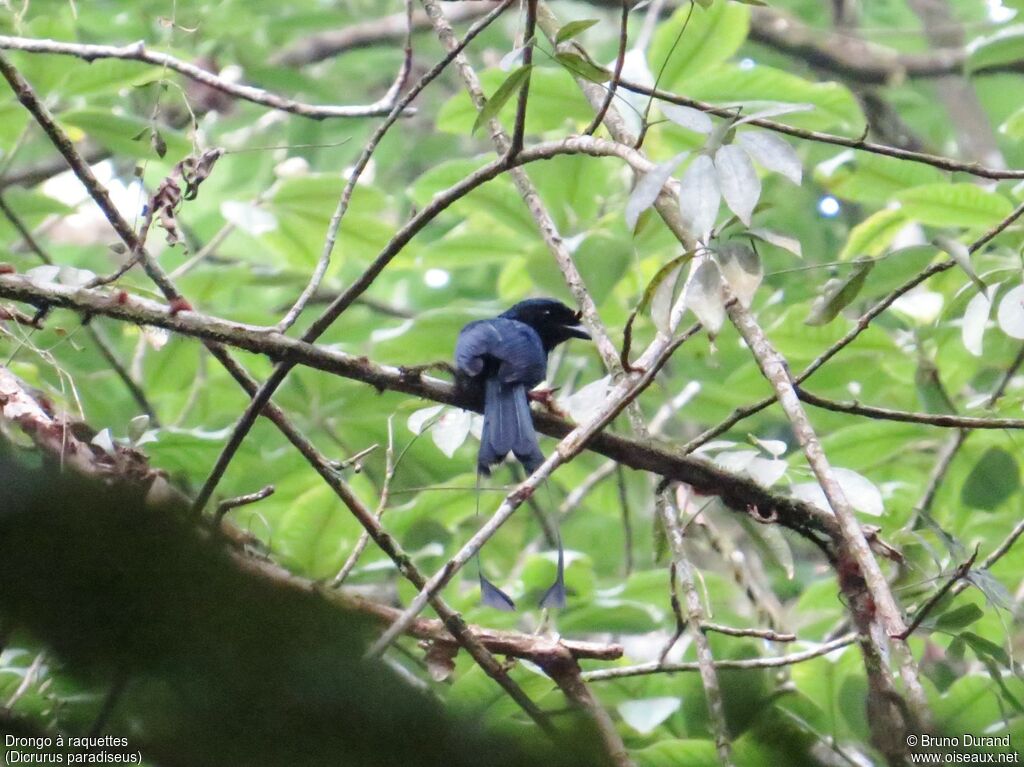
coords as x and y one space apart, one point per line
387 29
138 52
903 416
737 492
937 161
655 667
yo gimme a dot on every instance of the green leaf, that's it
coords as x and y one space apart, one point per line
554 99
838 293
1003 47
872 178
834 105
954 205
961 617
873 235
672 753
574 28
1013 126
505 91
117 134
985 648
994 478
579 66
710 37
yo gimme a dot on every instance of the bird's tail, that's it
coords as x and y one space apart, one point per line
508 427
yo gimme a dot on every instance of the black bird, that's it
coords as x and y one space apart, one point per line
500 360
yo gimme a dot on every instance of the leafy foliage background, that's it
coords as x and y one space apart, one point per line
488 248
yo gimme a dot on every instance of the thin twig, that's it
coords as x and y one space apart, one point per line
928 419
655 667
241 500
382 504
519 126
357 171
694 619
620 61
138 52
766 634
943 163
961 572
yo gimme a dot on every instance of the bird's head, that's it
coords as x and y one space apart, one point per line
554 321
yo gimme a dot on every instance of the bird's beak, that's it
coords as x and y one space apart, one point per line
577 331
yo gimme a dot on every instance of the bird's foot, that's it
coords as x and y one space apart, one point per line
546 399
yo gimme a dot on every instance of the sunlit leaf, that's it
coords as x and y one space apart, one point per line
960 204
972 329
646 714
451 430
248 217
873 235
1004 46
773 153
959 253
585 402
418 420
699 196
778 240
1011 313
687 117
738 180
583 67
648 187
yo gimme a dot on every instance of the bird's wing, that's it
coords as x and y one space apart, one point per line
514 345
